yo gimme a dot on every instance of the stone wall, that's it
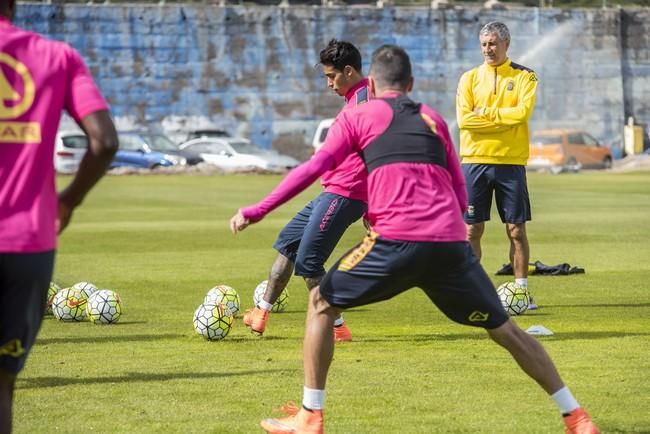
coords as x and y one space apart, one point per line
251 70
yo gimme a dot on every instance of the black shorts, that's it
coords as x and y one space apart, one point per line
24 280
509 184
311 236
378 269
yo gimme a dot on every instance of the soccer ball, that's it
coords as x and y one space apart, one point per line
213 321
223 294
514 298
104 307
51 292
69 304
280 304
86 288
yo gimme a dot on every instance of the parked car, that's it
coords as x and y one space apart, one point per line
150 141
237 153
69 148
206 132
567 150
135 152
321 133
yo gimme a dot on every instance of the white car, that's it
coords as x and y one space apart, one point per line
237 153
69 148
321 133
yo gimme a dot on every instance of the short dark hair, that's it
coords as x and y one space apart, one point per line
339 54
391 67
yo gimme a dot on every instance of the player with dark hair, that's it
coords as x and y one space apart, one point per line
308 240
416 199
38 79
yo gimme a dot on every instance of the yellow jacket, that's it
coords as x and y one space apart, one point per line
505 95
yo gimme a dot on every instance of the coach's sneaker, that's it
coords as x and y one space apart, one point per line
578 422
256 319
303 421
342 333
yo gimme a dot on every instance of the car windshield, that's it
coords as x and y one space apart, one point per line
546 140
243 147
207 133
159 142
76 142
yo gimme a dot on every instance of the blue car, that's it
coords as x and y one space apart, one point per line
133 152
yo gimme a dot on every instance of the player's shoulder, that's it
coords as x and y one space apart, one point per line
524 71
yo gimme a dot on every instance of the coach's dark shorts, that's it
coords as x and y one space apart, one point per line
24 280
378 269
508 182
311 236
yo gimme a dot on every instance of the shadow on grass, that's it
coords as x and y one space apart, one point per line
131 377
97 339
625 305
483 336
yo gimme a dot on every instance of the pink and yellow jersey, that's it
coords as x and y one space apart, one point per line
349 178
38 78
416 188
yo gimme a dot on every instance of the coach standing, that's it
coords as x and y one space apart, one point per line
493 105
38 79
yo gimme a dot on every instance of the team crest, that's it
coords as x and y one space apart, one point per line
511 84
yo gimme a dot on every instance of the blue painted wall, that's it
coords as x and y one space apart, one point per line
251 69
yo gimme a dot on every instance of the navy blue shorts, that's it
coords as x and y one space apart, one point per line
509 185
449 273
311 236
24 280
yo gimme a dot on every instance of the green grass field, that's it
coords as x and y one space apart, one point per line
162 241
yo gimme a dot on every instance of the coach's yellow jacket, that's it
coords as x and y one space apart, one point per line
505 97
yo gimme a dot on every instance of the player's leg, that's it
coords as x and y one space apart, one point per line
372 271
479 181
7 381
286 245
332 215
513 204
24 280
535 361
466 295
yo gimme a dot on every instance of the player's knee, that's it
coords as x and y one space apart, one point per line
517 232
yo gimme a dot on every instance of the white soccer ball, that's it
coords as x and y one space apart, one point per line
86 288
223 294
104 307
514 298
69 305
51 292
213 321
280 304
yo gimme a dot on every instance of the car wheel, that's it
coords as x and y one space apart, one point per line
573 165
155 166
607 163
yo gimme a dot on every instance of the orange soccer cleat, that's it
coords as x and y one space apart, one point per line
579 422
256 319
299 421
342 333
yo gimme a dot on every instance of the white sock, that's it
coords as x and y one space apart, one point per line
339 321
313 399
264 305
522 281
565 400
